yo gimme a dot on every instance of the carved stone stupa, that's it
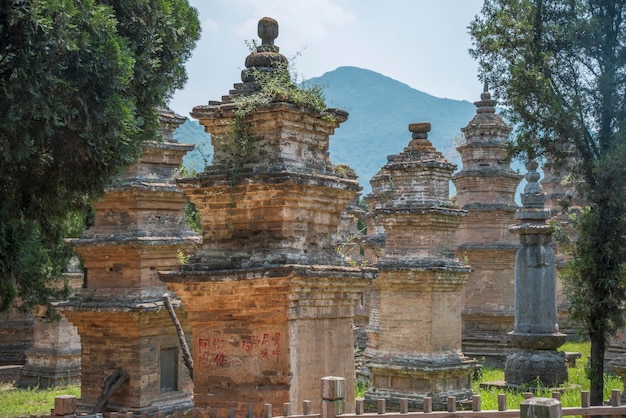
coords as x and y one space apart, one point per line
536 333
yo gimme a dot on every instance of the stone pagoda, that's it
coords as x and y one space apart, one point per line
128 339
270 301
486 188
414 334
536 333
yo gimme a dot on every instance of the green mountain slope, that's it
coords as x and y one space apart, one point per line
380 111
191 132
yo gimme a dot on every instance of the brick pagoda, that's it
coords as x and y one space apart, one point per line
54 358
269 300
124 327
486 188
414 334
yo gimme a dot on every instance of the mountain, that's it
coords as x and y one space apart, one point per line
380 111
191 132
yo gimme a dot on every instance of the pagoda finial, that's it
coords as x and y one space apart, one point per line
485 96
533 196
486 104
266 56
267 30
419 137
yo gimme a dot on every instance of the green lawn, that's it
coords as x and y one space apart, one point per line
24 402
570 396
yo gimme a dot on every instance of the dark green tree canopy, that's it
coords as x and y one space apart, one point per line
79 85
559 69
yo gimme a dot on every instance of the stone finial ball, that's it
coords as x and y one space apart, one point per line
267 30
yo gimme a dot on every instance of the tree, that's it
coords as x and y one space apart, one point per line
79 85
559 68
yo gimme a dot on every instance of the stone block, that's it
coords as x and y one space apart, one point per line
64 405
330 409
333 388
540 408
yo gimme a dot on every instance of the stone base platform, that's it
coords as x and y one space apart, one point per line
9 374
571 357
178 401
535 367
439 401
46 377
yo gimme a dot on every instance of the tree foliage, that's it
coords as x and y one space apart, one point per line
79 85
559 68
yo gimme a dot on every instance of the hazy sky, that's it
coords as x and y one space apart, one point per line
422 43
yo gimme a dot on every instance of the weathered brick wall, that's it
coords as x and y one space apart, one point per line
127 271
269 219
487 226
408 323
270 334
133 345
490 285
16 336
142 211
433 237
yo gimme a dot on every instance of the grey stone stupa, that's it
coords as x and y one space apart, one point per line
536 335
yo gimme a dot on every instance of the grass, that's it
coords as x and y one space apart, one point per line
360 388
33 401
570 396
